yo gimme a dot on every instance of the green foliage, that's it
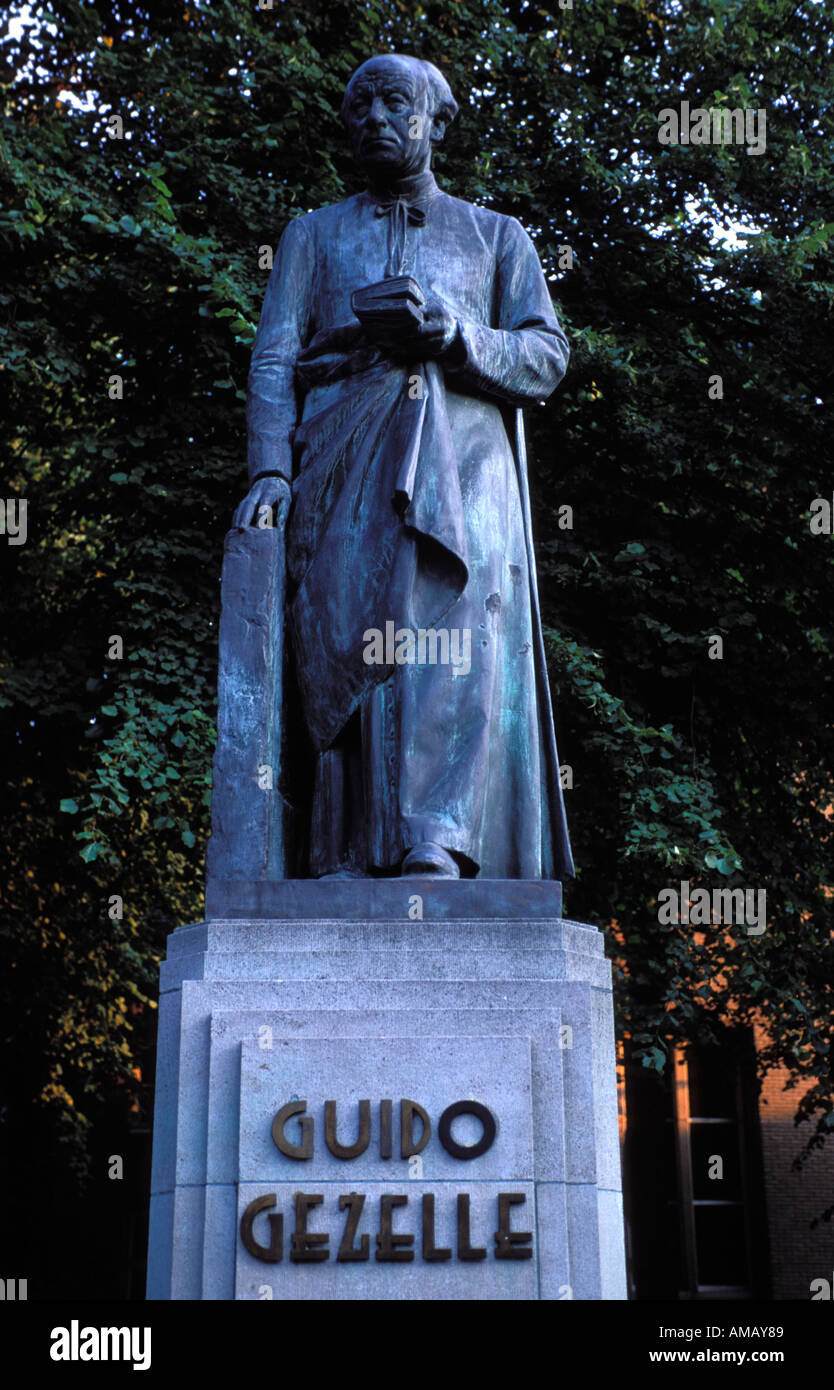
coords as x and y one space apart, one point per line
138 258
669 816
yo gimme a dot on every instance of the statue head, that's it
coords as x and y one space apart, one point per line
396 109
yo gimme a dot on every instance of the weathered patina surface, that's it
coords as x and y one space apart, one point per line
393 451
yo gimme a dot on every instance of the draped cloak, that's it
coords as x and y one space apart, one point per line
410 507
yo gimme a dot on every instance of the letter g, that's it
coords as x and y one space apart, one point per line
305 1148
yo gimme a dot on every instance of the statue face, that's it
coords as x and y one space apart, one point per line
386 117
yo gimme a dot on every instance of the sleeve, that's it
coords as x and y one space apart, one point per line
271 403
525 357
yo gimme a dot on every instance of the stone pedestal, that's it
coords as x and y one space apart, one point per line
474 1021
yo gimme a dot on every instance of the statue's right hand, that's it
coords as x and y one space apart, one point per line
267 503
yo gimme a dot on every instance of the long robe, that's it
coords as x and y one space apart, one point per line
410 507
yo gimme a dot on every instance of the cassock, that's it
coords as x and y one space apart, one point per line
410 507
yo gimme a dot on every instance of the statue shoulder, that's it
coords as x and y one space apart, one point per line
326 220
498 230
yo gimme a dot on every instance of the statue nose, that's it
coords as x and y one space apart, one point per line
377 116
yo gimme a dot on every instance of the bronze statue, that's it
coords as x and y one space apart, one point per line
402 331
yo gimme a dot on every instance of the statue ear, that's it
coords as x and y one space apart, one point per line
438 128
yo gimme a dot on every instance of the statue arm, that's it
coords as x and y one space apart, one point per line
271 405
524 358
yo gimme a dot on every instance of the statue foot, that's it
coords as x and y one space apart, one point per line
342 873
430 860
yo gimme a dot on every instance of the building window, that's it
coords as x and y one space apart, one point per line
693 1176
709 1142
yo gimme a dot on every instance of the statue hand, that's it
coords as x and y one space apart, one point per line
438 329
273 493
429 336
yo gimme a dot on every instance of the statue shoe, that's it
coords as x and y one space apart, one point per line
430 860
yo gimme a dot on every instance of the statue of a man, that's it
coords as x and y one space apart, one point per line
401 332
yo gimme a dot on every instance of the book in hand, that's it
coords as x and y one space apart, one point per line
396 302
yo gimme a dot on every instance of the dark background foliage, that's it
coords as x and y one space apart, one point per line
140 258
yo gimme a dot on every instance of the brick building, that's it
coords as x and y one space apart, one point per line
714 1208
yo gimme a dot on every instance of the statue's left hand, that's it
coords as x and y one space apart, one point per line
438 329
428 336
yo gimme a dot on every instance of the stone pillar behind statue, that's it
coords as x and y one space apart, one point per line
251 817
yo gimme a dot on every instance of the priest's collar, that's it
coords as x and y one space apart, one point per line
411 188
